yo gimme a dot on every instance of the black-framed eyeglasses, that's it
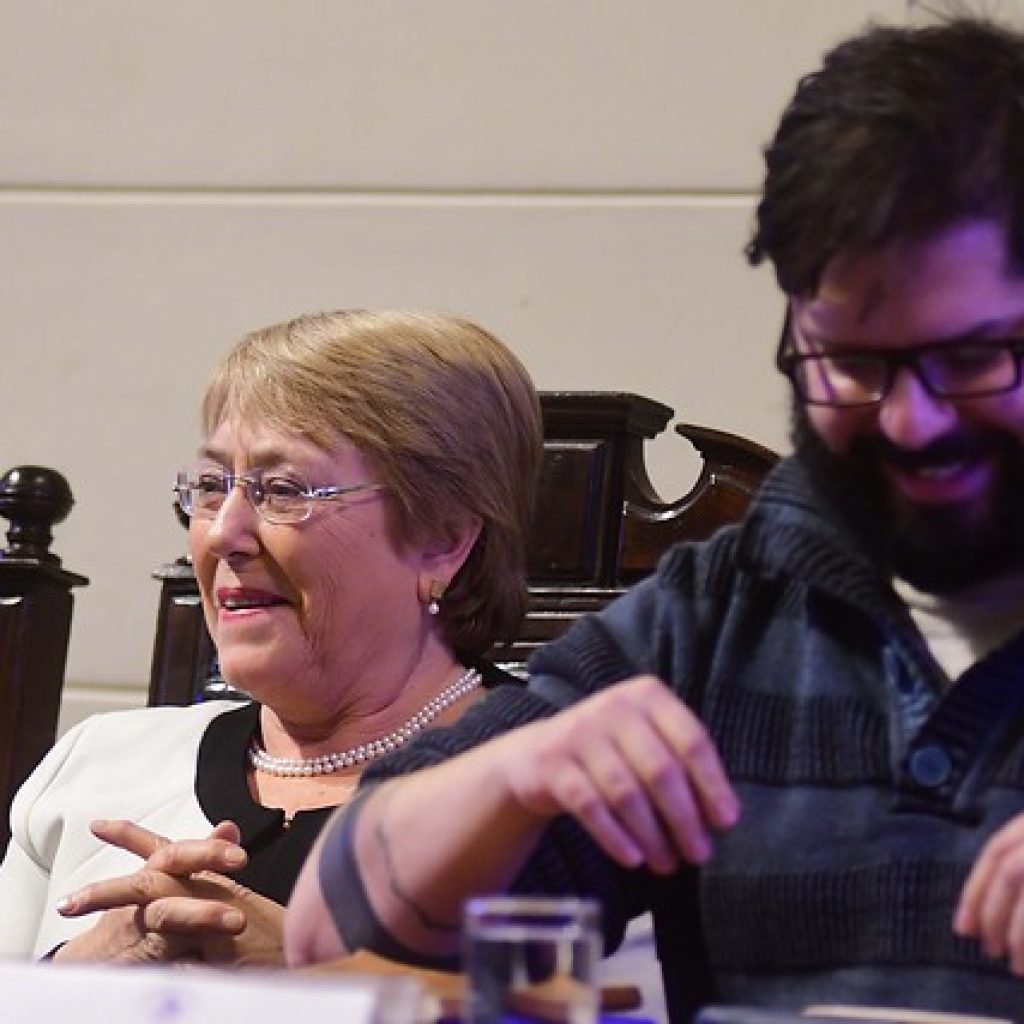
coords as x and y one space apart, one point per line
851 377
276 497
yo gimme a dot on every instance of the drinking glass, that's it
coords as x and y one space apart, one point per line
531 959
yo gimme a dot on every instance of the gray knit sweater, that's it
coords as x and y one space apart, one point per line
868 784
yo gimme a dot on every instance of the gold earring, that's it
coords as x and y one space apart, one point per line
437 589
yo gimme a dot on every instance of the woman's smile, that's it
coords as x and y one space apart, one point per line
232 600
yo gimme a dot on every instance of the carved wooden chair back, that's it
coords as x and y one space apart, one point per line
35 624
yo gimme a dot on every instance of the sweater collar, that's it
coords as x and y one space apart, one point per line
792 531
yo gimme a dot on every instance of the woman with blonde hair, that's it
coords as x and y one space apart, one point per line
359 511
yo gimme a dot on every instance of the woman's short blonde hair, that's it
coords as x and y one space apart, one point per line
445 413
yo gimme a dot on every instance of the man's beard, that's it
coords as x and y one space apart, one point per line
938 548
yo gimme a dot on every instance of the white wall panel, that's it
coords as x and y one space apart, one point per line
576 174
450 94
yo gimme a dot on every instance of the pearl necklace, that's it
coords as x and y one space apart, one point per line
326 764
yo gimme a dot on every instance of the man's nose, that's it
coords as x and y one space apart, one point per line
910 415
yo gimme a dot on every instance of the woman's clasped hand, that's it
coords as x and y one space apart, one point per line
180 905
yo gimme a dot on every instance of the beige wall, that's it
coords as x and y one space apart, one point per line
577 176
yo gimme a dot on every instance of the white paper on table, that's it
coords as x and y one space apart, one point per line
38 993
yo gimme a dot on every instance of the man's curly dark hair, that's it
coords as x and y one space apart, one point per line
901 133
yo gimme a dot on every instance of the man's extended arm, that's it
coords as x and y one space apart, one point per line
631 764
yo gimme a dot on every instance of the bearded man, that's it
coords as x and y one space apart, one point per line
801 743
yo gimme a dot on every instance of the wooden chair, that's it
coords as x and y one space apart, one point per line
35 624
600 526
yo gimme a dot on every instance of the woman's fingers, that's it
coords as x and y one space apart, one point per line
137 889
188 856
186 909
170 866
190 916
164 903
218 852
227 830
127 835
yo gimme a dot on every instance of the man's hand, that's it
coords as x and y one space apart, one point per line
991 907
634 766
177 906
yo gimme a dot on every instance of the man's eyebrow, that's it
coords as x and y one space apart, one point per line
1008 326
999 327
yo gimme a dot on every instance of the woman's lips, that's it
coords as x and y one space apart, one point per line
234 600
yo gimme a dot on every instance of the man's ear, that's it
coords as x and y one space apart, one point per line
441 558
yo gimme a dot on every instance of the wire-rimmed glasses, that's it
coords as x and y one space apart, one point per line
851 377
277 498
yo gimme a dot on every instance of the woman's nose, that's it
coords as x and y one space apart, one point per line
911 416
233 528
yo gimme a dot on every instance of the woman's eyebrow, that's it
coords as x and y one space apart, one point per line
206 451
259 456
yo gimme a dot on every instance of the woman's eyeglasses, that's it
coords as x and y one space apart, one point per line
277 499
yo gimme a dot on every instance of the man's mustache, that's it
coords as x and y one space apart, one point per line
958 447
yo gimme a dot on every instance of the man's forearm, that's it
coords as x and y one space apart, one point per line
435 838
394 870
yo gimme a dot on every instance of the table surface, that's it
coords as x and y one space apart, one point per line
621 1003
447 991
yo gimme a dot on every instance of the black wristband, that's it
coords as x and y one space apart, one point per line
348 902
